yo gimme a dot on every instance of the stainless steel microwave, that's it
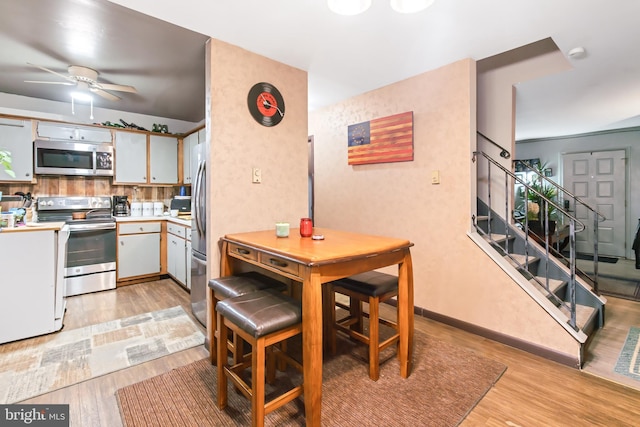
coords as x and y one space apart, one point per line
73 158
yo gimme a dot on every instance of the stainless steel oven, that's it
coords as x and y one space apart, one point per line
91 249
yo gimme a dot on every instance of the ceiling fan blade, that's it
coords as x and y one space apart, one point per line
50 83
119 88
52 72
107 95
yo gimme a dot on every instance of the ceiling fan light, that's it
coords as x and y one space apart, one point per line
81 96
348 7
410 6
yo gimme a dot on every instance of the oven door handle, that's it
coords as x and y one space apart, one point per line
90 227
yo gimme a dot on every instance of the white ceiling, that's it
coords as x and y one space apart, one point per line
344 56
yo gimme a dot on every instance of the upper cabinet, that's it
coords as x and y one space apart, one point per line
163 159
189 142
131 157
73 133
135 155
15 137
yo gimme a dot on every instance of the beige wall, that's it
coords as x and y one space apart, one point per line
237 143
498 78
453 277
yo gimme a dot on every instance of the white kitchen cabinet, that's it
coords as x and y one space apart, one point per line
163 159
188 143
73 133
131 157
176 253
138 249
28 294
15 137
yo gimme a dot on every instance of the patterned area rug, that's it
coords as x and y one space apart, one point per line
69 357
446 383
629 360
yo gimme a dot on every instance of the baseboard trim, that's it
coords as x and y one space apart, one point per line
555 356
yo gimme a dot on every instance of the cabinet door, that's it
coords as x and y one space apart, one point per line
55 131
93 135
131 157
187 262
163 160
15 137
74 133
176 258
27 294
188 143
138 255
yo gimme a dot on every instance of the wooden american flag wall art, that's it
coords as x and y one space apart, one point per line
384 140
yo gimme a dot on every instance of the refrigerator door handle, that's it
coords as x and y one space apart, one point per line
200 221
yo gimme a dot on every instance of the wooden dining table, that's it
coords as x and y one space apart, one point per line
316 262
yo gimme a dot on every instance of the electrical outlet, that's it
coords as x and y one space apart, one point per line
256 176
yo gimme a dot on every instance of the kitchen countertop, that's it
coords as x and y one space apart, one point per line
181 219
34 226
184 220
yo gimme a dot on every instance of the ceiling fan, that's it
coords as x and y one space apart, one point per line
86 78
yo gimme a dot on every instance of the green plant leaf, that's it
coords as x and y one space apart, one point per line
5 161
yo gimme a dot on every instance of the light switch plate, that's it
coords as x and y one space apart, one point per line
256 176
435 177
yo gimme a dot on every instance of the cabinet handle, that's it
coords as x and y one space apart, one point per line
277 262
243 251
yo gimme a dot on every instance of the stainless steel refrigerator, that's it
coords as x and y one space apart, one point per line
199 234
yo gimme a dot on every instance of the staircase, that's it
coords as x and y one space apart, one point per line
567 294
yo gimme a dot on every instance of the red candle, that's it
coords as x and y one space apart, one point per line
306 227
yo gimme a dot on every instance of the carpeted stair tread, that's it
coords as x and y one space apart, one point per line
583 314
518 260
554 284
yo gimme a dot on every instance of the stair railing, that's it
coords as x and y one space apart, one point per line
575 226
568 196
503 153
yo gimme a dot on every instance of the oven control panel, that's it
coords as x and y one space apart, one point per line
74 203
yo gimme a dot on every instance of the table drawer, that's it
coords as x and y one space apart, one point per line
247 253
281 264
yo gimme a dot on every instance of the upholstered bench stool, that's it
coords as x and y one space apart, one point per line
262 319
372 287
222 288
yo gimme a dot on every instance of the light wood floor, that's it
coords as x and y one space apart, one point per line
532 392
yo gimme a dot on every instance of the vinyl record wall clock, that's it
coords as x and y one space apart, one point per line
266 104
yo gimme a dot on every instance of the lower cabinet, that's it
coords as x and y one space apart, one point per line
138 249
177 253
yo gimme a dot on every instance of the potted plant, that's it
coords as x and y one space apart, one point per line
536 204
5 162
